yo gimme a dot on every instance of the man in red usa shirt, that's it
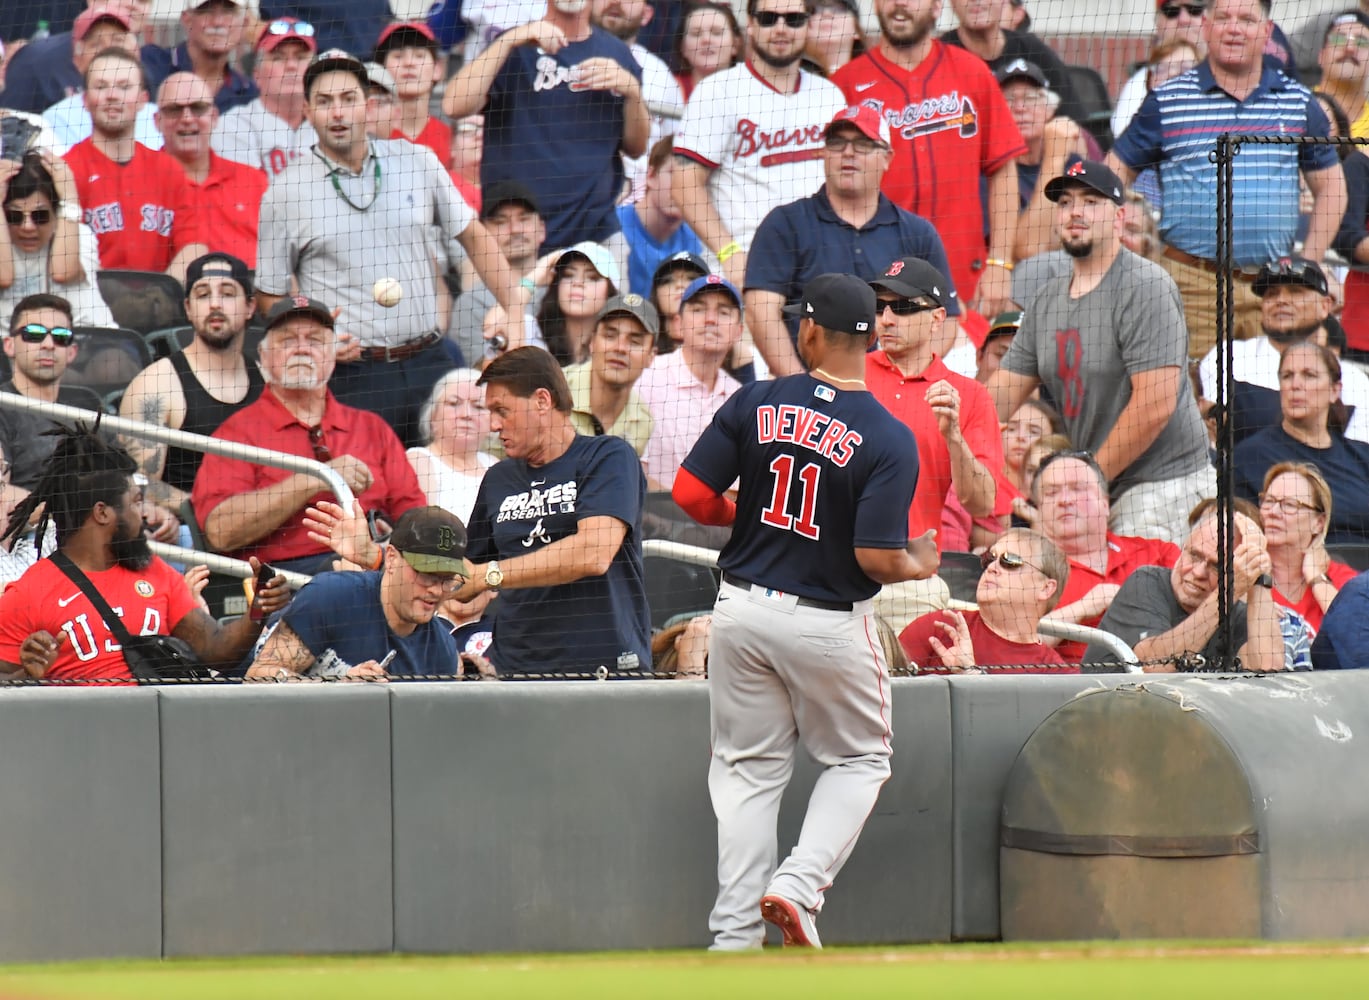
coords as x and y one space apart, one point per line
820 522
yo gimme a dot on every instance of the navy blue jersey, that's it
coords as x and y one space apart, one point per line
823 472
598 621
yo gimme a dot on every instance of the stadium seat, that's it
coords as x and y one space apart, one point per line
107 359
143 300
1092 91
675 587
1354 555
961 572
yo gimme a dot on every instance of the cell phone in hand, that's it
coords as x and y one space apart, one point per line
264 575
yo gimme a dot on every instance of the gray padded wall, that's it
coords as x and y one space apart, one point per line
991 719
576 816
80 875
276 803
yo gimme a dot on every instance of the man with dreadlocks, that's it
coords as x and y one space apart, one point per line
50 629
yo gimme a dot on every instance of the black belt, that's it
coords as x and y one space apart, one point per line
400 352
803 602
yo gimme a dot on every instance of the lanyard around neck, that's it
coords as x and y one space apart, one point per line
375 193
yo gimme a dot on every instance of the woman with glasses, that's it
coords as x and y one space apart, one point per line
1024 576
710 39
44 247
1312 431
1295 506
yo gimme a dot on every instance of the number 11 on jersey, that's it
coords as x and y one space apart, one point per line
776 514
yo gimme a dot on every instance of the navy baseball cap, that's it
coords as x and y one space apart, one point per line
635 306
715 282
840 302
1022 69
682 261
215 265
1291 271
506 192
1090 174
335 60
299 305
914 278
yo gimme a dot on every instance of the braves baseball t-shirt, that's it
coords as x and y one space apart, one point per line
143 212
764 147
149 601
593 622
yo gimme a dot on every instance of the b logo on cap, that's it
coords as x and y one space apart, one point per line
446 537
1075 169
300 302
894 269
714 279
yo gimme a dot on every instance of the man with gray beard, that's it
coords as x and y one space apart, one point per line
257 510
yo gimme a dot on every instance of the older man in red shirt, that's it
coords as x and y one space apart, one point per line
952 417
249 509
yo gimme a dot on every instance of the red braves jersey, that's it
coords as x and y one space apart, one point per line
149 602
1125 554
231 201
905 396
764 147
950 126
143 212
436 136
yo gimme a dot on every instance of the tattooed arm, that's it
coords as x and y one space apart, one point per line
154 397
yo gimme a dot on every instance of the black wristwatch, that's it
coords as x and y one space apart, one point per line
1265 580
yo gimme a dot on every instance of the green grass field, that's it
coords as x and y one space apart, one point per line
1155 971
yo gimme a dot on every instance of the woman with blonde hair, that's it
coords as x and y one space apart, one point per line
455 428
1295 506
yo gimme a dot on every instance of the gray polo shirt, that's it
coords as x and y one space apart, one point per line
337 252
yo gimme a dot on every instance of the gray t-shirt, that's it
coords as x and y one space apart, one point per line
1146 606
1085 350
338 251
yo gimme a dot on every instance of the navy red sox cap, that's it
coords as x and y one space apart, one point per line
218 265
1090 174
714 282
298 305
1291 271
839 302
913 278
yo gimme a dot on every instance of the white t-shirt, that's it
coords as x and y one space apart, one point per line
31 278
764 147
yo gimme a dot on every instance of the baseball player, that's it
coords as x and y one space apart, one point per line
820 522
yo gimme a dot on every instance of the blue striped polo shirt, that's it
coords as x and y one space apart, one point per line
1177 127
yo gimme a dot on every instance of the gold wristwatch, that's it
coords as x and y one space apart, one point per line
494 576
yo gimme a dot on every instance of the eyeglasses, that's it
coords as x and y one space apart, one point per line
39 216
1286 505
1171 11
1340 38
1009 561
450 582
770 18
36 333
860 143
902 307
319 443
197 109
283 27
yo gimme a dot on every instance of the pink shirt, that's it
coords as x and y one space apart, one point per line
681 408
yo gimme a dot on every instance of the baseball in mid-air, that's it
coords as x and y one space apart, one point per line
388 292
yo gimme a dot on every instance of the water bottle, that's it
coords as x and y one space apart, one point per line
42 31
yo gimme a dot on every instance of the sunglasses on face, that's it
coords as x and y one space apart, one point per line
36 333
198 109
39 216
1171 11
1355 41
901 307
319 443
770 18
302 28
1009 561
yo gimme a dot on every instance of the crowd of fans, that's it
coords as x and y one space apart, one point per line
501 287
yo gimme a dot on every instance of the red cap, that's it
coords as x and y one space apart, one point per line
415 26
865 118
93 15
285 29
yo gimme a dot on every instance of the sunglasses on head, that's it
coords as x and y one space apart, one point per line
1171 11
1009 561
901 307
39 216
36 333
770 18
282 27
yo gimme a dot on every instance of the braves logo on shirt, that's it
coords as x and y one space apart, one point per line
933 114
539 503
785 145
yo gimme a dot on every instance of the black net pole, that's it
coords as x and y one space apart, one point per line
1228 147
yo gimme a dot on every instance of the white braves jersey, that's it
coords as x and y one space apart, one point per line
252 135
764 147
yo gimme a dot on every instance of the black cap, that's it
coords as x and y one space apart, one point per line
1335 334
503 193
1021 69
298 305
215 265
1344 18
431 540
335 60
682 261
1090 174
839 302
914 278
1291 271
